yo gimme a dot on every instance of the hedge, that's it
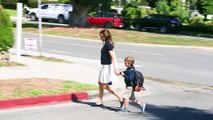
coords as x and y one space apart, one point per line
6 32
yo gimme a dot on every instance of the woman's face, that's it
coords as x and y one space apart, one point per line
102 37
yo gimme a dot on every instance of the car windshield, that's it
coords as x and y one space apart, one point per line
44 6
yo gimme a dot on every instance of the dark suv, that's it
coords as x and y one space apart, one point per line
106 19
163 23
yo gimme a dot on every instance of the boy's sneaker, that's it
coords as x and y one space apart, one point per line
143 106
123 110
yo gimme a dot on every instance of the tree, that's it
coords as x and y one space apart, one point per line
162 7
25 2
152 3
82 7
193 4
180 9
130 12
205 7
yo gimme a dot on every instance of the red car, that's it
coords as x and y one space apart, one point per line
106 19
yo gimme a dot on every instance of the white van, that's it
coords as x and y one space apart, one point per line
59 12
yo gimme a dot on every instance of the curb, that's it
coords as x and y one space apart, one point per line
12 103
44 100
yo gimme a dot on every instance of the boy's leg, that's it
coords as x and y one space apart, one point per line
126 103
126 97
142 105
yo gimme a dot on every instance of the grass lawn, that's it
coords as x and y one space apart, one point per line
30 87
11 12
120 35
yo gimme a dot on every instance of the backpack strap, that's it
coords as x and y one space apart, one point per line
134 78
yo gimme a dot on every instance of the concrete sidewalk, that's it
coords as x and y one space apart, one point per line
81 70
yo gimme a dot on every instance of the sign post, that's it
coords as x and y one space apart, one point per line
18 31
40 27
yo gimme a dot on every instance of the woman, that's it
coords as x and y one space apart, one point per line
109 67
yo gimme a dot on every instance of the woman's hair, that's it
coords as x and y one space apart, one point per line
108 37
130 60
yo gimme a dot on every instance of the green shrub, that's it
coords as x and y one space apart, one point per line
34 3
152 11
9 4
130 13
6 32
163 7
209 22
197 28
196 20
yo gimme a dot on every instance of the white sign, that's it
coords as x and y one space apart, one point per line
30 44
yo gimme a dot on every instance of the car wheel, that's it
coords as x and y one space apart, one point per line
163 29
138 27
33 17
108 25
61 19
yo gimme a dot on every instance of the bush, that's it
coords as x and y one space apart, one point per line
196 20
9 4
130 13
6 32
152 11
144 12
34 3
197 28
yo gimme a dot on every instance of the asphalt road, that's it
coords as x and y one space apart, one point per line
186 64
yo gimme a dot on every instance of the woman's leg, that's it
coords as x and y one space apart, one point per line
107 87
101 93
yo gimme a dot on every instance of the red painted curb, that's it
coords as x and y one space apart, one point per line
11 103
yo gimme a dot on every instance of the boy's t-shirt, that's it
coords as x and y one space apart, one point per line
129 76
105 56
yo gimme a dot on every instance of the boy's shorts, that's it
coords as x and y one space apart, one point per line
129 93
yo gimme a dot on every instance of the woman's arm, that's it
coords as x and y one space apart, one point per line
114 61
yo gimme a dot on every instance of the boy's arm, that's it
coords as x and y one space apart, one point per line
131 75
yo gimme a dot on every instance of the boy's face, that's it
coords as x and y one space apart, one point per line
126 64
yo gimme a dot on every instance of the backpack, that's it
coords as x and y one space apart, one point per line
138 81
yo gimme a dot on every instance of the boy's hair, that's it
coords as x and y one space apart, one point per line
130 60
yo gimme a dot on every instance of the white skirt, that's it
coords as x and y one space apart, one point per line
107 74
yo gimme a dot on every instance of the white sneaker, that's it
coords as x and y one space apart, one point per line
143 106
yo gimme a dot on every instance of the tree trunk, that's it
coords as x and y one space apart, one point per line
78 16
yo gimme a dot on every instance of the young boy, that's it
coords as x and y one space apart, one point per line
129 76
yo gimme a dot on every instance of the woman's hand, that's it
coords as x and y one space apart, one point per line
122 73
117 72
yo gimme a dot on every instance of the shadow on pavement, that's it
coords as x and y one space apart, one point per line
92 104
177 113
154 112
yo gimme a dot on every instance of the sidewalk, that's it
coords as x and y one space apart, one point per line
81 70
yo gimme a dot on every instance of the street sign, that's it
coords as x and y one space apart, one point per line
30 44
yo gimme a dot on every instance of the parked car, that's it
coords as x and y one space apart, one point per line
163 23
59 12
106 19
